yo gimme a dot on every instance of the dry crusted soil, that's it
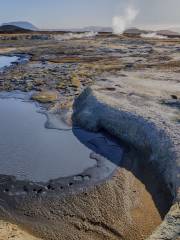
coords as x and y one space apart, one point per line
141 75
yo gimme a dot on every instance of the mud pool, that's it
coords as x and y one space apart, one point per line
29 150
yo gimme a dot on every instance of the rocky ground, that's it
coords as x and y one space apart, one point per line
134 94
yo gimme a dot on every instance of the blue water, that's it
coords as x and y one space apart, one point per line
30 151
5 61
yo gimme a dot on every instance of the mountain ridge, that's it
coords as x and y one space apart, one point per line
13 29
22 24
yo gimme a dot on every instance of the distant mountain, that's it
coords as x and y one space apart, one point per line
97 29
84 29
13 29
135 31
22 24
168 33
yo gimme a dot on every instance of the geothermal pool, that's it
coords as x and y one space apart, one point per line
5 61
31 151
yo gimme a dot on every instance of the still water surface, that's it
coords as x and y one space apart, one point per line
5 61
30 151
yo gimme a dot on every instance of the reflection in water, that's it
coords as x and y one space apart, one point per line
5 61
31 151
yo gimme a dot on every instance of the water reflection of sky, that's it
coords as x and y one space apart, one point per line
6 61
31 151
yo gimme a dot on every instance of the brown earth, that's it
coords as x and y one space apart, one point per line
10 231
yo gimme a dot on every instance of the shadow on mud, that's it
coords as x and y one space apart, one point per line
132 161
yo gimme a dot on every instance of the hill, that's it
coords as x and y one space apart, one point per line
168 33
135 31
13 29
97 29
22 24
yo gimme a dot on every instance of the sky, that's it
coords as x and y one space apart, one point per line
79 13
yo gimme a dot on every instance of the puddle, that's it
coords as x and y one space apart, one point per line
31 151
6 61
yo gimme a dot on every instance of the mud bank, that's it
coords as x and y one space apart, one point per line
148 130
90 205
125 206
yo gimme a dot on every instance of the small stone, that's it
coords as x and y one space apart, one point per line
45 96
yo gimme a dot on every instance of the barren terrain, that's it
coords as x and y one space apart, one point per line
128 86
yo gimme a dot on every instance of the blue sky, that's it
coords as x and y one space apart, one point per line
78 13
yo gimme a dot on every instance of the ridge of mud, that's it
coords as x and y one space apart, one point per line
148 131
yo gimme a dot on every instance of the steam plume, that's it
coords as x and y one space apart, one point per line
153 35
120 23
69 36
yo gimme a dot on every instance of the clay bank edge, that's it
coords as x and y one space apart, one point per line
153 136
